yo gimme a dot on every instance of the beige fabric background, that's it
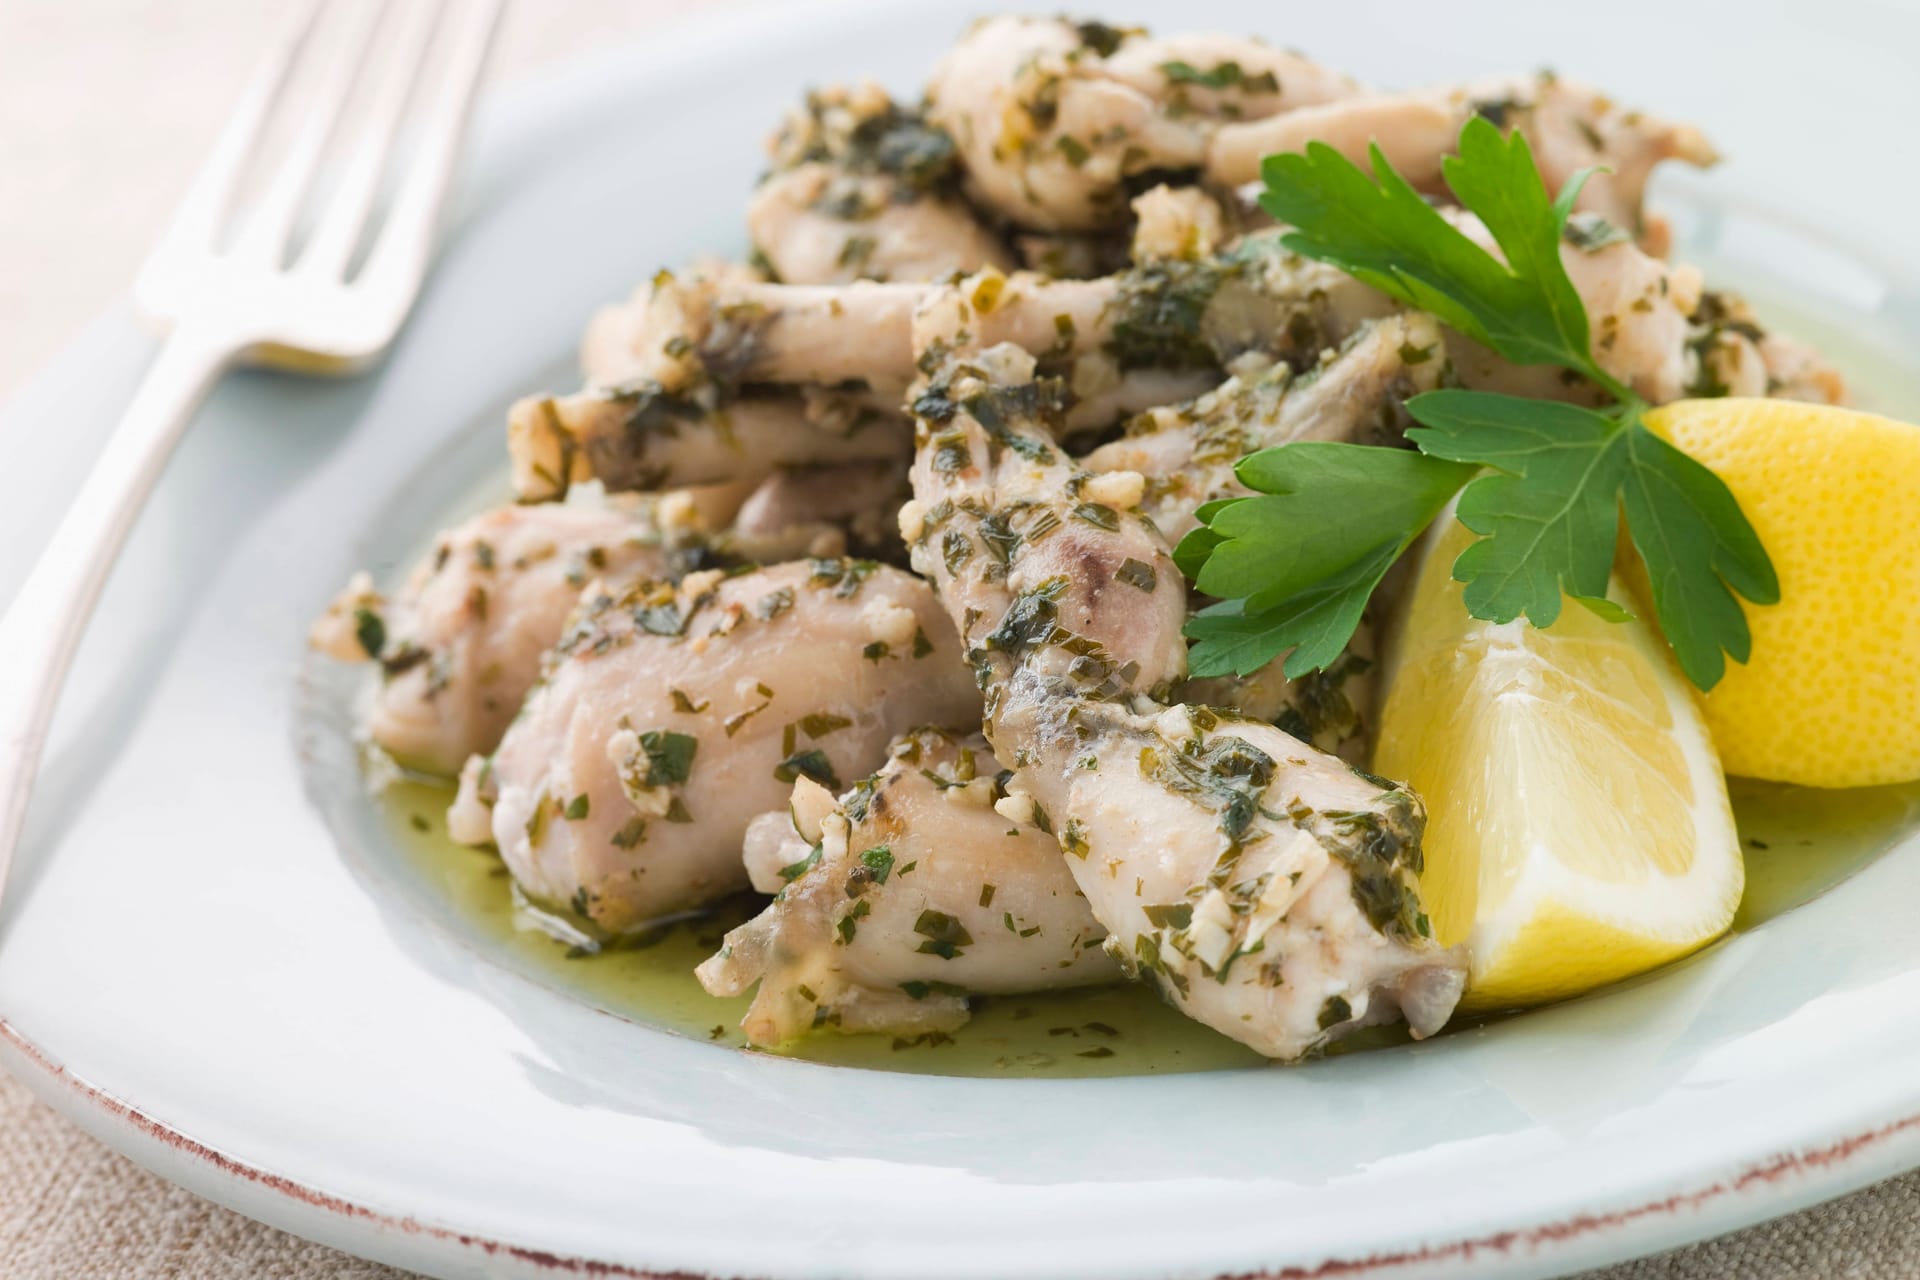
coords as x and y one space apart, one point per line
106 108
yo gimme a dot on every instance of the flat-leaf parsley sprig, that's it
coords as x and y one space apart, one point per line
1295 565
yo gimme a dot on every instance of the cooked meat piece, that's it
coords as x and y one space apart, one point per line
1186 453
1266 887
668 717
460 643
701 329
711 349
1730 354
900 899
865 189
1177 222
1053 118
1568 127
859 500
1571 127
641 437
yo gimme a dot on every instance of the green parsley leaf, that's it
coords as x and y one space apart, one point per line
1326 506
1699 549
1383 232
370 630
1294 568
1549 517
669 756
879 861
809 764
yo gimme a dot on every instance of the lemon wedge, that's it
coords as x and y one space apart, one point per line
1578 824
1831 694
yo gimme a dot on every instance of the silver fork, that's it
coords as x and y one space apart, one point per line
231 299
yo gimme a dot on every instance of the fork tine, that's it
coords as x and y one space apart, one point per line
399 255
267 228
209 200
331 248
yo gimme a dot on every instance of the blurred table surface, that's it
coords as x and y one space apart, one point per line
106 109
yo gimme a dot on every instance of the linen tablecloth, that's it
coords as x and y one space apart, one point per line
106 109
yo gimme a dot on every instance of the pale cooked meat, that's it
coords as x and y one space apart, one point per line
861 500
1220 77
836 949
1412 130
901 898
695 329
1053 117
623 342
1330 710
804 221
1732 355
1796 371
1637 315
1154 334
460 643
642 437
791 948
865 189
1072 255
1186 453
1176 222
1569 127
669 716
1265 887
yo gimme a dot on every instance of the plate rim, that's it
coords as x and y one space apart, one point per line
1784 1183
1754 1192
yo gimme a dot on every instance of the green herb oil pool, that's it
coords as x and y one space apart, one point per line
1798 843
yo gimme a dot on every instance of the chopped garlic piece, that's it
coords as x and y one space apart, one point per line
1174 724
630 761
809 805
1210 935
891 624
703 583
913 521
1121 490
1292 869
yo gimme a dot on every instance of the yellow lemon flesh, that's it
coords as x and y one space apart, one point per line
1578 825
1831 694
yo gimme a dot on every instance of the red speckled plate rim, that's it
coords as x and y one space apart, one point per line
1839 1159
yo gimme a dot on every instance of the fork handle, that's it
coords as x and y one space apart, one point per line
43 625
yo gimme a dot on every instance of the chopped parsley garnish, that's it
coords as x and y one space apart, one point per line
1543 483
1224 76
669 756
822 723
879 862
945 936
812 764
794 870
1138 574
370 631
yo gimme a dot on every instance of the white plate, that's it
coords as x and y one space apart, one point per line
196 970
